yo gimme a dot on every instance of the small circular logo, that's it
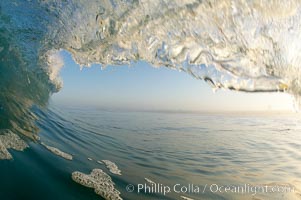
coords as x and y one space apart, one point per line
130 188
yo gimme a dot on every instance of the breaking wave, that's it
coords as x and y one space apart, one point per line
240 45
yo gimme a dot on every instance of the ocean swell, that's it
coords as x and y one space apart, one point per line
240 45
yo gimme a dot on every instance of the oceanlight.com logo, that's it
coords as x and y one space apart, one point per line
247 189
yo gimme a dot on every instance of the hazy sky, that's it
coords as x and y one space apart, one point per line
144 87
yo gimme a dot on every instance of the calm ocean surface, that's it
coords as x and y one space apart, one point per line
185 152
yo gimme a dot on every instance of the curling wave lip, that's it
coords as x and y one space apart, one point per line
241 45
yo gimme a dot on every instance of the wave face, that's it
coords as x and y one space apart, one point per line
240 44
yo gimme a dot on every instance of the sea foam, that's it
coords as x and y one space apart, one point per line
58 152
100 181
112 167
9 140
186 198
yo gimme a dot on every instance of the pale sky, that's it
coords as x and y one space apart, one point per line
142 87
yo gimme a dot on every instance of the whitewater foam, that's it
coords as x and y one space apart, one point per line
149 181
55 63
186 198
112 167
9 140
57 152
100 181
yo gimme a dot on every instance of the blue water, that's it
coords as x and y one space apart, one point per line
235 45
166 147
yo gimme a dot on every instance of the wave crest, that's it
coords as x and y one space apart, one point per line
239 44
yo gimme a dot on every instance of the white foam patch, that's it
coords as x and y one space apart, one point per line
100 181
149 181
186 198
112 167
58 152
4 154
55 63
9 140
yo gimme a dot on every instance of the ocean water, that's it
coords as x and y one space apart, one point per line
238 45
204 149
243 45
